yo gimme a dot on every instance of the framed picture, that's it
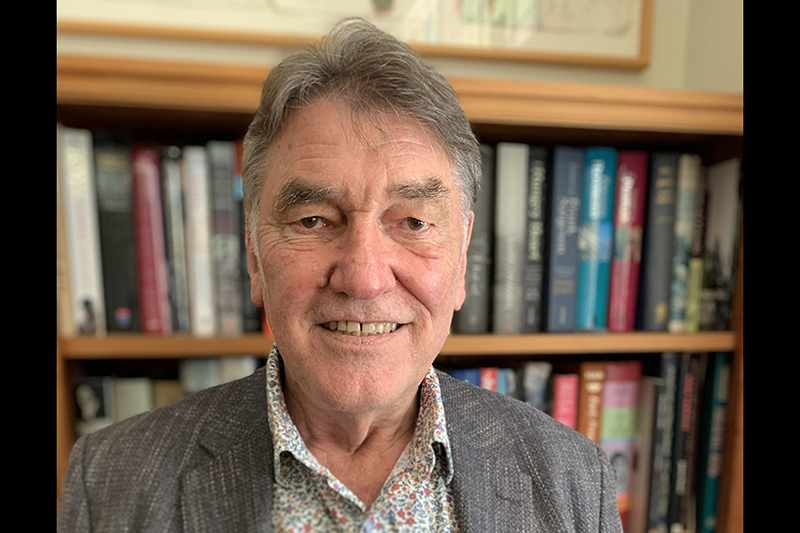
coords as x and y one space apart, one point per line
605 33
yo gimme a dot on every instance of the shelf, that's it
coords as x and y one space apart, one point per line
155 347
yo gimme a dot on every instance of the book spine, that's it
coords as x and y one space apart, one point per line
172 190
533 273
595 237
469 375
590 399
117 242
536 375
510 213
489 378
568 164
661 472
66 324
250 314
151 260
565 399
626 258
710 454
473 317
720 245
225 238
659 237
202 312
685 210
83 235
695 283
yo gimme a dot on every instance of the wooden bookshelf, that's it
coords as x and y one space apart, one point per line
162 101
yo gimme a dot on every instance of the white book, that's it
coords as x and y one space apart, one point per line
511 196
82 231
233 368
199 260
132 396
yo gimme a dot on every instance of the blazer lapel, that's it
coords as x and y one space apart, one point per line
229 488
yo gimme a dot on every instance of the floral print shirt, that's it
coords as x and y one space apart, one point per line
415 497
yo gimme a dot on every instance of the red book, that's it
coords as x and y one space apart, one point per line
151 256
565 399
489 378
629 205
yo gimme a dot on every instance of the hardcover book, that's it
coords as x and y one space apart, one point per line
695 283
117 244
513 160
656 283
533 274
564 218
565 399
175 237
595 238
590 398
685 212
629 206
473 317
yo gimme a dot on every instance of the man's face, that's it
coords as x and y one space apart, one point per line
358 229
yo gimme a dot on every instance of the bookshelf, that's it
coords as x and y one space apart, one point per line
170 102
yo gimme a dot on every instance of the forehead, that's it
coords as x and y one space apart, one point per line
326 140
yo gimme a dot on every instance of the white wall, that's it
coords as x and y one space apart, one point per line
696 44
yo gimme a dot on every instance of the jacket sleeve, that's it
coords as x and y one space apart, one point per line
73 509
610 521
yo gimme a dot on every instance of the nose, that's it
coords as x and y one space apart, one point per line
362 268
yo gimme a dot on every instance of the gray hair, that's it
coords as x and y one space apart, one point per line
373 73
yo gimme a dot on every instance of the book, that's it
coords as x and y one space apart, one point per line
640 490
79 196
562 248
175 237
721 243
151 252
619 423
536 375
695 283
94 403
590 398
474 315
225 238
132 396
685 212
533 269
565 399
198 374
712 440
488 378
251 322
656 283
661 466
684 442
469 375
65 322
114 183
513 160
626 258
200 268
595 238
166 391
232 368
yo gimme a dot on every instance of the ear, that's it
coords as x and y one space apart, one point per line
253 267
462 292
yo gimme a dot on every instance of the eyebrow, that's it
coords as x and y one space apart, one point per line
295 192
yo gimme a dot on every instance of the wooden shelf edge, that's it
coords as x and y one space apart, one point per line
155 347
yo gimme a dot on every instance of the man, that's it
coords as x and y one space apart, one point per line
360 171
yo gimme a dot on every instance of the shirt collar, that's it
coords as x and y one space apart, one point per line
430 432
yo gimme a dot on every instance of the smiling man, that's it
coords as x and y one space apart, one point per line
360 170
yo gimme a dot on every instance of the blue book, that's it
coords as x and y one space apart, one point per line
596 238
470 375
564 209
714 416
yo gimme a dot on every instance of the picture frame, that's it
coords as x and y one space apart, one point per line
598 33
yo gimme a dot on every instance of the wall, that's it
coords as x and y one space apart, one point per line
696 44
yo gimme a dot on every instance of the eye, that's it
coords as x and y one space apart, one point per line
311 222
415 224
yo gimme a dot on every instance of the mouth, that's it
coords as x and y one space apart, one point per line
361 329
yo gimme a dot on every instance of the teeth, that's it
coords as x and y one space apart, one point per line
358 329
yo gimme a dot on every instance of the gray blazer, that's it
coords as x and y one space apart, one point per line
205 464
